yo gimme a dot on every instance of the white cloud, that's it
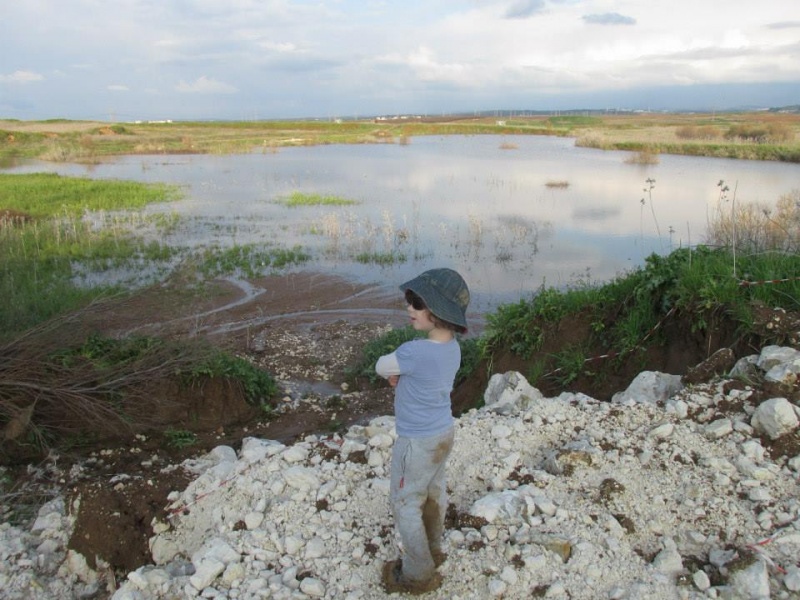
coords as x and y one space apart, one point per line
382 56
205 85
278 46
21 77
610 18
523 9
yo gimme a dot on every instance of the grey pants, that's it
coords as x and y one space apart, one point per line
418 496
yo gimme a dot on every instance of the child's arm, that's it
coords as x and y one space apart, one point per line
388 368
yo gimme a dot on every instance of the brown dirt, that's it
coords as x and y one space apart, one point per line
306 329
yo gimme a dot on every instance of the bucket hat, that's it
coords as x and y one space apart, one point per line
444 292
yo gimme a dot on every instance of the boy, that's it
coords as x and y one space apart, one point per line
422 371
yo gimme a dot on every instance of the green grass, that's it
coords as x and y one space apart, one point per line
296 199
41 253
380 258
695 282
50 195
180 438
259 386
248 260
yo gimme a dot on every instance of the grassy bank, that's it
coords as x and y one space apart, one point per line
62 384
55 230
45 233
752 135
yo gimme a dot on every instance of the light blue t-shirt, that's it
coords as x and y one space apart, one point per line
427 371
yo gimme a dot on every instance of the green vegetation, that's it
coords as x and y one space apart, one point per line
44 237
248 260
751 135
52 228
106 354
259 386
693 282
301 199
40 195
55 391
380 258
180 438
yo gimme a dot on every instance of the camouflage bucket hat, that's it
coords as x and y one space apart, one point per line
444 292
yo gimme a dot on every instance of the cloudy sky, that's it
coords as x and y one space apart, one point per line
261 59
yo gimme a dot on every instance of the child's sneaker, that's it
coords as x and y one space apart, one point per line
393 580
439 558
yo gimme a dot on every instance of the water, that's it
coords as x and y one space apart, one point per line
456 201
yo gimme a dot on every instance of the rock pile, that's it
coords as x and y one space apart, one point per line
665 492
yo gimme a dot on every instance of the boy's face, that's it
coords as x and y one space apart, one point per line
421 319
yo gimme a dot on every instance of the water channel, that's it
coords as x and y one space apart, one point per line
510 213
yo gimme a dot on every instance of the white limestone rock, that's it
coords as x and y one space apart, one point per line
775 417
649 387
507 392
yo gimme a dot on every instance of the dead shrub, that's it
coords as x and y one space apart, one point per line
13 218
754 227
52 388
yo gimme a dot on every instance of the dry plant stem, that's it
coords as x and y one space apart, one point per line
38 394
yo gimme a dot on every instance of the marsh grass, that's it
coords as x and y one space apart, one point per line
642 157
50 195
248 260
41 252
755 227
751 135
296 199
380 258
366 241
557 184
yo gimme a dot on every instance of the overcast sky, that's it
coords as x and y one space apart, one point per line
260 59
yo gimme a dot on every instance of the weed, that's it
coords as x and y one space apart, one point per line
259 386
569 365
536 371
651 183
180 438
643 157
44 251
513 326
248 260
296 199
472 352
380 258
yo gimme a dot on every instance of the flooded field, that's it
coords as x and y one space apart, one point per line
510 212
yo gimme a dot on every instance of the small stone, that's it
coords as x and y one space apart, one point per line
662 431
718 429
313 587
701 580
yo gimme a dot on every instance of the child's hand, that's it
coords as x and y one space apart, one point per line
393 380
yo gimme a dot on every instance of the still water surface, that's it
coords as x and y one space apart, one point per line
470 203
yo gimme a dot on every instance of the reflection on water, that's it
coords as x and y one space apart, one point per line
462 202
